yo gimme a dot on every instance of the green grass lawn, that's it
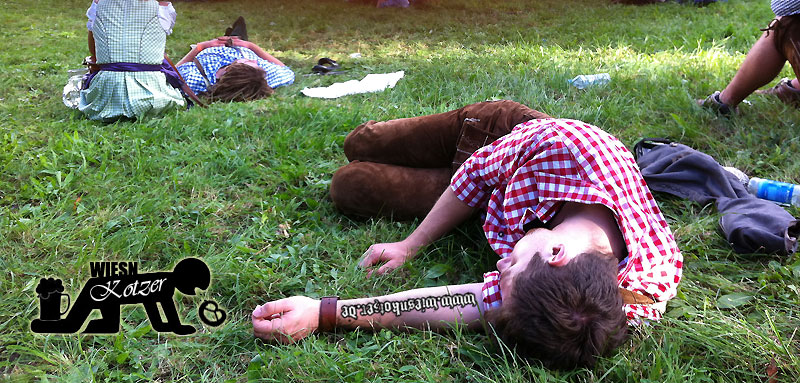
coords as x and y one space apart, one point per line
244 186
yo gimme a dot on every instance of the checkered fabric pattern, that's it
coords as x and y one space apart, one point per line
217 57
529 173
491 290
785 7
128 31
166 16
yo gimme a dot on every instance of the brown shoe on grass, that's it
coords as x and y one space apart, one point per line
785 92
713 103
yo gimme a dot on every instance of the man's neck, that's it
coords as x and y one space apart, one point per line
592 223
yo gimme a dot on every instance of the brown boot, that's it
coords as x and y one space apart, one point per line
368 189
785 92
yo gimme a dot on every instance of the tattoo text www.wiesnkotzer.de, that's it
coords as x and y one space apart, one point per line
412 304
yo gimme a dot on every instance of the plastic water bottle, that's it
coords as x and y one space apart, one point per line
781 192
587 80
71 95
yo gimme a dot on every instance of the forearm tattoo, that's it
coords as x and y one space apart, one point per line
420 304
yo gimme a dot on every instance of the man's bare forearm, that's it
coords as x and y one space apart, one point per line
433 307
262 53
446 214
192 54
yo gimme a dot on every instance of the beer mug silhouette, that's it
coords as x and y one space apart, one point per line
49 290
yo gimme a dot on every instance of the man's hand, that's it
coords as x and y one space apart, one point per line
287 320
395 254
233 41
210 44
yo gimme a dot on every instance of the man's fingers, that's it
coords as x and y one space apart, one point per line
388 266
267 327
368 258
272 330
269 309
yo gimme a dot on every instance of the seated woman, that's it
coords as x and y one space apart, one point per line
127 80
231 69
765 60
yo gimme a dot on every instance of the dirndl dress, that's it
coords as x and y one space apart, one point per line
128 32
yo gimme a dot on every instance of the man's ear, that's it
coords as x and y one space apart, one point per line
558 257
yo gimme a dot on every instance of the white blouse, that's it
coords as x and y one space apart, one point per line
166 16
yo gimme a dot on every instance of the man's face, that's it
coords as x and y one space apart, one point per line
552 247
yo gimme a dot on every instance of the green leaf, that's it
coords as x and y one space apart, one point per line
407 368
437 271
122 357
141 331
254 368
683 311
733 300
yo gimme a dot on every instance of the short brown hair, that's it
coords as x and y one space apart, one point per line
563 316
241 82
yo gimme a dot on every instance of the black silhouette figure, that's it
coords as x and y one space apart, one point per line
107 294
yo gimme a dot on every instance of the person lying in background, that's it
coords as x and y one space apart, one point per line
230 68
129 77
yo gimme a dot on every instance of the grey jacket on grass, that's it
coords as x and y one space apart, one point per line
750 224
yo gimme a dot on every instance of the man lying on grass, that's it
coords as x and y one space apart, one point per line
583 245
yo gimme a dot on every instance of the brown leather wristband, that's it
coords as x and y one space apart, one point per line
327 314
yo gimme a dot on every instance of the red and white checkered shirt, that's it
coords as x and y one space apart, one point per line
541 164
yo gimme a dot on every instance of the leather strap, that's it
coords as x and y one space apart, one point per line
202 72
634 298
184 87
327 314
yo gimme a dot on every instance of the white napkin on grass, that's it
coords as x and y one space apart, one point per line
374 82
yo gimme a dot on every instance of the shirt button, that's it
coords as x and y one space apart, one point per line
501 234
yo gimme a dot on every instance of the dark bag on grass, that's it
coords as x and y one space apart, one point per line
751 225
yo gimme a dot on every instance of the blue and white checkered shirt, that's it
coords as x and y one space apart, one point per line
217 57
785 7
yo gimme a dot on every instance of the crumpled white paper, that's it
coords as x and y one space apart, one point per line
374 82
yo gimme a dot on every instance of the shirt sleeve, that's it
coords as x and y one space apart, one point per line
91 13
488 167
166 17
469 183
639 314
492 298
277 75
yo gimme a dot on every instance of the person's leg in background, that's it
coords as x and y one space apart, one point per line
762 64
787 41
